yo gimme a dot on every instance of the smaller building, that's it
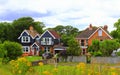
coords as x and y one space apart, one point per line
30 41
91 33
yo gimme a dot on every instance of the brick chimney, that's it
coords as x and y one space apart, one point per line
90 27
31 28
105 27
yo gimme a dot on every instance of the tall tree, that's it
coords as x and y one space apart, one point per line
24 23
73 48
6 31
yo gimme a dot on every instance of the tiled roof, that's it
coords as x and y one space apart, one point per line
55 34
87 33
33 33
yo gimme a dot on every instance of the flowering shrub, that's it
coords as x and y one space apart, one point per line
20 66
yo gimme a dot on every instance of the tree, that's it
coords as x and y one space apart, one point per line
6 31
66 33
116 33
73 48
108 46
94 49
24 23
104 48
12 51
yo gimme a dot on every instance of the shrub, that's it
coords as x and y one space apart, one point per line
98 53
13 51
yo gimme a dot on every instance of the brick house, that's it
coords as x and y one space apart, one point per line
91 33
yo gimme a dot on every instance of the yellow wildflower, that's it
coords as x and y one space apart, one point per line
46 72
19 71
28 64
114 73
41 63
55 70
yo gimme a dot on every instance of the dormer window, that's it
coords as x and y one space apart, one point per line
25 39
100 32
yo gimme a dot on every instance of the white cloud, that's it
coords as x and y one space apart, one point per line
69 12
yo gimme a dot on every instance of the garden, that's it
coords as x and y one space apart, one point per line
23 66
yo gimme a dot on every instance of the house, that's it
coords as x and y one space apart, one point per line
50 42
30 41
91 33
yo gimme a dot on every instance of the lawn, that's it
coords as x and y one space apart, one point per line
33 58
62 68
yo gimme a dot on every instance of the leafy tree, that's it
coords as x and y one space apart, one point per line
107 47
73 48
24 23
104 48
66 33
12 51
94 49
116 33
6 31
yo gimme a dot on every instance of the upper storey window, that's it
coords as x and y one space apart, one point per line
25 39
100 32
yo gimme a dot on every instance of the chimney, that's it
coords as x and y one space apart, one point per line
105 27
31 28
90 27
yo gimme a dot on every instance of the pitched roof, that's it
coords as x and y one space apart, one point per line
33 33
55 34
87 33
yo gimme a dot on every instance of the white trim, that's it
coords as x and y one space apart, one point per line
33 44
37 35
103 31
22 33
48 32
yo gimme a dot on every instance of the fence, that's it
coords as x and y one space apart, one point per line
109 60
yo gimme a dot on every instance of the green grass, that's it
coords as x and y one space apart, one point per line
66 68
33 58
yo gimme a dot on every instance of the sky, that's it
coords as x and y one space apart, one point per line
78 13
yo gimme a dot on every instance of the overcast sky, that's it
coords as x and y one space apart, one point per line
78 13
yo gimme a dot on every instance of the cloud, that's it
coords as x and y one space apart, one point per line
78 13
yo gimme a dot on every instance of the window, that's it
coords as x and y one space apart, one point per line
82 42
47 41
26 48
25 39
100 33
47 49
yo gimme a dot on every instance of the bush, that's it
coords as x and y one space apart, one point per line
118 53
98 53
12 51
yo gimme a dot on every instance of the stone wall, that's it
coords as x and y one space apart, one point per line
110 60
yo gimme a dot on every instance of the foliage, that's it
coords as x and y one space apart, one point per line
104 48
24 23
116 33
6 31
66 32
12 51
73 47
20 66
68 69
107 47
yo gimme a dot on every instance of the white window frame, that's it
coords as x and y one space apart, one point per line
47 49
25 39
26 49
47 40
100 32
